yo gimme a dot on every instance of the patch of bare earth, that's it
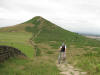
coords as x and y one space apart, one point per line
67 69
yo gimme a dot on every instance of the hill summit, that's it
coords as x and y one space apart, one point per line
30 23
42 38
47 31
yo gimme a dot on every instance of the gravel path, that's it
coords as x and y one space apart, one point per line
67 69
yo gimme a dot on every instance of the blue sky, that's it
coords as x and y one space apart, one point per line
74 15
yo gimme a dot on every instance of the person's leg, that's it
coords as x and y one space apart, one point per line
64 56
59 58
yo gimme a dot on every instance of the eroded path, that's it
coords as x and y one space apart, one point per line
67 69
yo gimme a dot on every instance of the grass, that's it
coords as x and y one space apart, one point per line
86 58
41 65
82 52
51 32
19 66
17 40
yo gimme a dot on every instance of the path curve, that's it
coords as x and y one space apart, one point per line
67 69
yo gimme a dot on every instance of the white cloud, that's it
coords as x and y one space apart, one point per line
74 15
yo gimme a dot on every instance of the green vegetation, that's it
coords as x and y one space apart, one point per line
82 52
17 40
51 32
85 57
20 66
17 37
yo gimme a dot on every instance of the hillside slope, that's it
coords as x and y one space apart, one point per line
81 51
48 32
16 28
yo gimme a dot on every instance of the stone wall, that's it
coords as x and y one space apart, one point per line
6 52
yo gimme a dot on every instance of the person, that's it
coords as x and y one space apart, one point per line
62 52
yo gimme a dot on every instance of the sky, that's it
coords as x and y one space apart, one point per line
74 15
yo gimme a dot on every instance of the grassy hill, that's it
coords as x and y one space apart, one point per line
16 28
82 52
49 32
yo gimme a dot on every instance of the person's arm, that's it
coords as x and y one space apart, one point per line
65 48
60 49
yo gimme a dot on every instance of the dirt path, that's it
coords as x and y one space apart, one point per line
67 69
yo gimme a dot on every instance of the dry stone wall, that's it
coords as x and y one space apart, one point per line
6 52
